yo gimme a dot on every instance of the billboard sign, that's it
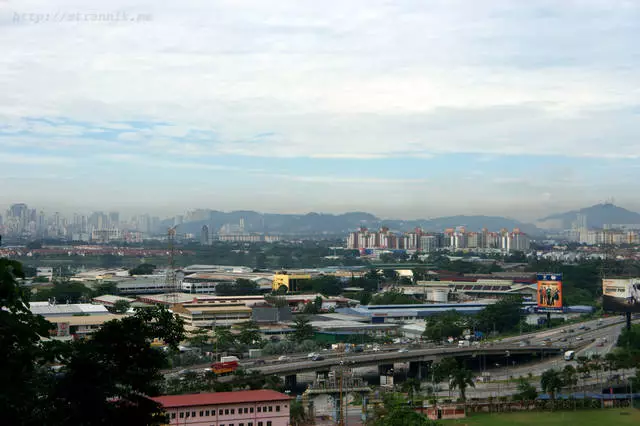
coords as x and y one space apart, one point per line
549 293
621 294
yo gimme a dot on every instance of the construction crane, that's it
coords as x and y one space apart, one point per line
171 284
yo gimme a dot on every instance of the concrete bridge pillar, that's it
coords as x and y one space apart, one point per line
419 369
385 369
290 381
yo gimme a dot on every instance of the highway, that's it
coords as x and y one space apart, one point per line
552 342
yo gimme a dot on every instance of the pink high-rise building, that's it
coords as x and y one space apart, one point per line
243 408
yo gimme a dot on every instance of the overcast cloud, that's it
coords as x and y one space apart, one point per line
412 108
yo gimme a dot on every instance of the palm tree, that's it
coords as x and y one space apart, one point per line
411 387
461 378
596 365
611 362
570 376
297 414
551 382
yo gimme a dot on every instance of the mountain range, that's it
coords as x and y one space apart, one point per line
339 224
597 216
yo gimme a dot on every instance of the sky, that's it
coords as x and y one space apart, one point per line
404 108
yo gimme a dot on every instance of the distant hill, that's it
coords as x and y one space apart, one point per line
321 223
597 216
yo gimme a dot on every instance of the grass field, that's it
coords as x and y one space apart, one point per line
609 417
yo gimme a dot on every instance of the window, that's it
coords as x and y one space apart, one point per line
226 411
201 413
277 408
246 410
182 415
250 424
271 408
193 414
251 411
188 413
240 424
206 413
233 411
269 423
220 412
173 415
259 423
259 409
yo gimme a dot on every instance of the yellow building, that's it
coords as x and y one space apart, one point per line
288 281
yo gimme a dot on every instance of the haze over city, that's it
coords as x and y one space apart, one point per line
405 109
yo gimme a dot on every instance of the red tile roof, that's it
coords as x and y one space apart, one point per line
217 398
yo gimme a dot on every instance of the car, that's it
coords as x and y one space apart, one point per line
587 328
403 350
317 358
578 338
259 362
312 355
571 330
376 349
600 344
283 358
564 339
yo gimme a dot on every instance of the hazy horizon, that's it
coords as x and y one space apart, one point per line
126 214
406 109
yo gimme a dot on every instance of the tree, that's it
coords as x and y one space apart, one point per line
249 334
551 382
297 415
121 306
142 269
242 287
64 291
447 324
223 338
199 337
412 387
106 379
526 391
460 379
504 315
569 376
302 330
396 412
393 297
20 333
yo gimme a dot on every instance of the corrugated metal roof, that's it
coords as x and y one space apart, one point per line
219 398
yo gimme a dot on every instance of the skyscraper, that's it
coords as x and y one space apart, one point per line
114 219
204 236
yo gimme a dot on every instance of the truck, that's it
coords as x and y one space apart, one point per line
569 355
229 359
220 368
463 344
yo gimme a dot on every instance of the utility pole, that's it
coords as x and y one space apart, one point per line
341 419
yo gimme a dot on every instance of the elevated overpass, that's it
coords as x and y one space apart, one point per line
412 355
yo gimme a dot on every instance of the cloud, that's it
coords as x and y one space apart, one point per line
237 85
20 159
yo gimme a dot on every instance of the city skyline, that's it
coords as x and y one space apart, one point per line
411 109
